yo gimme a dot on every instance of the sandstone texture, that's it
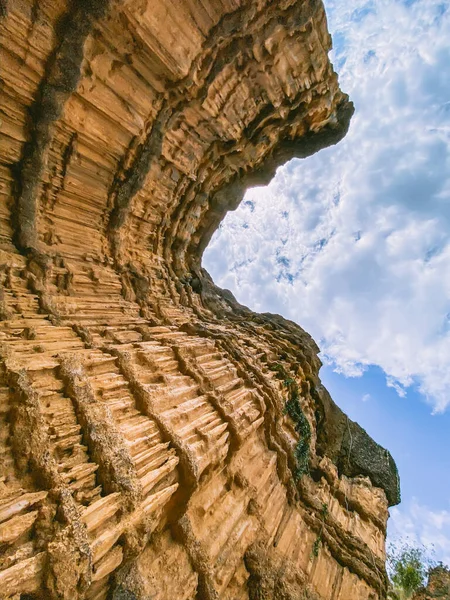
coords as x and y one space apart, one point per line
158 440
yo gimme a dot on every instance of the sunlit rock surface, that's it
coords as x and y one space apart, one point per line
158 440
438 585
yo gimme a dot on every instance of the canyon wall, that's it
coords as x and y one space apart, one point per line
159 440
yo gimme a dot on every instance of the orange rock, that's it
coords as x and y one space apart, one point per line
158 439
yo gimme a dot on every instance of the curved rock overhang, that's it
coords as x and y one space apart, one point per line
148 419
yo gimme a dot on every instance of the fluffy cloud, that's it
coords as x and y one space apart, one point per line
422 526
354 242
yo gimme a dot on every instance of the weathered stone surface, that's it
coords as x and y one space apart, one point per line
158 440
438 585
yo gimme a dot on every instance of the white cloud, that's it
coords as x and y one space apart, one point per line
354 242
422 526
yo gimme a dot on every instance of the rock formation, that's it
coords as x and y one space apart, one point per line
158 440
438 585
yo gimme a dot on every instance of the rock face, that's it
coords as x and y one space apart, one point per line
158 440
438 585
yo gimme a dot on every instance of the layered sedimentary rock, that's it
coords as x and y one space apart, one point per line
158 440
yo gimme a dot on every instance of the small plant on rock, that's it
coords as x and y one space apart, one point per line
302 427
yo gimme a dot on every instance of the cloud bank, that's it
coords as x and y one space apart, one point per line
354 243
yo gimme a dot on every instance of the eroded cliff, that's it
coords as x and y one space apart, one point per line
158 439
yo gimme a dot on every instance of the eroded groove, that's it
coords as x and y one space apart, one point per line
188 470
105 442
124 191
62 74
32 446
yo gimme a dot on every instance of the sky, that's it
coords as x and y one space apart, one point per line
353 244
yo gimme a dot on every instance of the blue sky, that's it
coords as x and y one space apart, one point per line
354 245
420 444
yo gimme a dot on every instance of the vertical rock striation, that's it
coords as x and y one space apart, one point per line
158 440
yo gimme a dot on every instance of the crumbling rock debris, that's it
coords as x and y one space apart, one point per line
158 440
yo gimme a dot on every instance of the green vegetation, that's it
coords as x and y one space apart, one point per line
302 427
278 368
408 568
316 546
